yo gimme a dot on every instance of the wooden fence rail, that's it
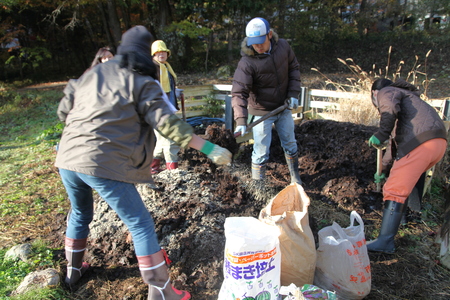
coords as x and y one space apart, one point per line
196 99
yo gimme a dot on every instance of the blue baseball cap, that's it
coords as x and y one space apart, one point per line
256 31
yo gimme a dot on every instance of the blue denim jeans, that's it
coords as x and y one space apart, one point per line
262 135
122 197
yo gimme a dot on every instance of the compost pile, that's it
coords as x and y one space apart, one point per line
191 204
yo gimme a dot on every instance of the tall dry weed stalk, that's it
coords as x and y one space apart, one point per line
359 108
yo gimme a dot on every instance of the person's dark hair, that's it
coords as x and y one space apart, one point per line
100 54
139 62
135 51
381 83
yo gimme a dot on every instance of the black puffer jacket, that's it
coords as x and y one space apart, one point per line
262 82
417 122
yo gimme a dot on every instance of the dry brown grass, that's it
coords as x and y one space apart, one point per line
359 108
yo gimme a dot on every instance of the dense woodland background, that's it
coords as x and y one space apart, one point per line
57 40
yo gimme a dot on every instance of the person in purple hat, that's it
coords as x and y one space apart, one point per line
110 115
266 78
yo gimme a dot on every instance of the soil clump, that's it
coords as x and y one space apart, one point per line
192 202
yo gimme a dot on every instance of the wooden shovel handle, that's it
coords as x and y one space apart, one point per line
379 166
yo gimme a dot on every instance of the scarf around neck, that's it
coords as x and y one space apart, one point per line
164 70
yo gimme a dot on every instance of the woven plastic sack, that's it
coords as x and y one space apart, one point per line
343 264
252 260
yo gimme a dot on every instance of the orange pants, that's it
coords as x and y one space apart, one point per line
406 171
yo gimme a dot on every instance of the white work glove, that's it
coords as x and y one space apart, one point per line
220 156
242 129
293 103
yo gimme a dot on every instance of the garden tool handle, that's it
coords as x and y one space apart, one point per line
379 166
183 109
380 149
265 117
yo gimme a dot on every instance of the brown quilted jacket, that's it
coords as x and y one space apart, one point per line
417 122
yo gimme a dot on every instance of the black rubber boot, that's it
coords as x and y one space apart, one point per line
404 219
292 163
415 198
258 172
392 215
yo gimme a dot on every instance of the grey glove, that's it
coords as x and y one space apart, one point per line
220 156
241 129
293 103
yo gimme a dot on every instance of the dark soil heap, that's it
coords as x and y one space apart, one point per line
192 203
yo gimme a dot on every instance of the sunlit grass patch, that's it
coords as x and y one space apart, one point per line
12 272
29 183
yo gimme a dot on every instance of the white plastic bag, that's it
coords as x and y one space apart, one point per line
343 264
252 260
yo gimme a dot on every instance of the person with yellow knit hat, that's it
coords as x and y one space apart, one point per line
165 148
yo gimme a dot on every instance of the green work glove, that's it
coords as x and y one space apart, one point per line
373 141
380 177
217 154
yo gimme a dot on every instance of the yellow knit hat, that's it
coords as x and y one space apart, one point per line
159 46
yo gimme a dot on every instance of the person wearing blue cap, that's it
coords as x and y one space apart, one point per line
110 115
267 77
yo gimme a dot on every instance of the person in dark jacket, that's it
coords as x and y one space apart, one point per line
420 141
165 148
266 78
110 113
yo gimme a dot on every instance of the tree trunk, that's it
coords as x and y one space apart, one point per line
209 43
114 22
126 14
106 26
362 20
281 17
230 46
90 33
163 14
160 14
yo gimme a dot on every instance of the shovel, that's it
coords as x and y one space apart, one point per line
263 118
380 149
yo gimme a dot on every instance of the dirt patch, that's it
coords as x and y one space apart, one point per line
192 203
